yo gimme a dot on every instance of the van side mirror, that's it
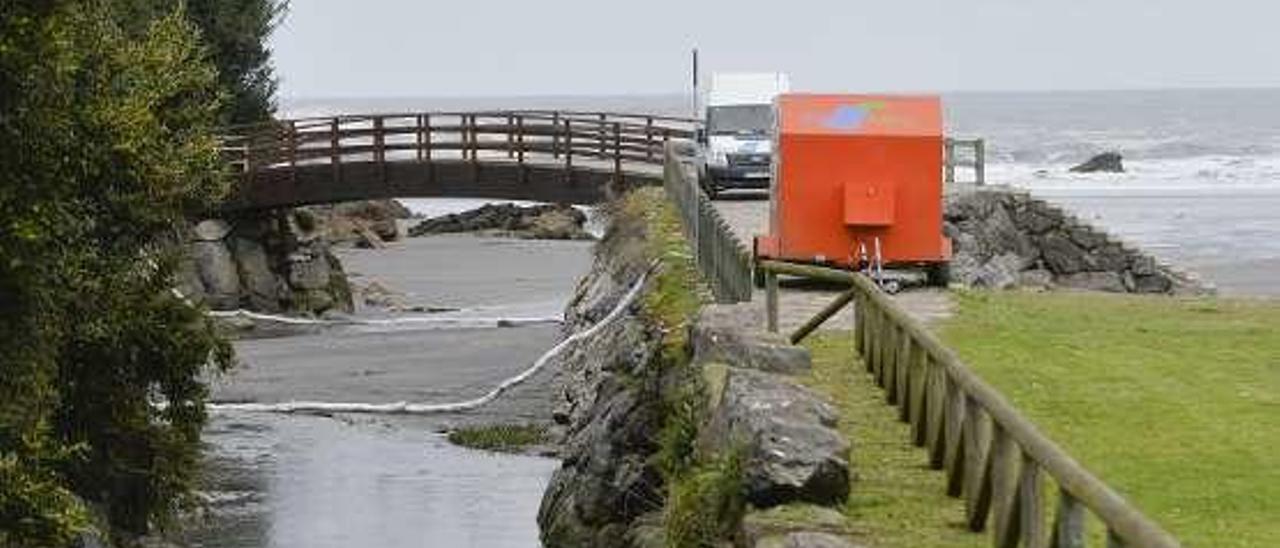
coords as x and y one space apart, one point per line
700 135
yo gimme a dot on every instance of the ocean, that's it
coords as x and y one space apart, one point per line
1201 188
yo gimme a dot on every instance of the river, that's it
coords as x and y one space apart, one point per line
367 480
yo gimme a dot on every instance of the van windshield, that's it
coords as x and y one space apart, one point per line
740 120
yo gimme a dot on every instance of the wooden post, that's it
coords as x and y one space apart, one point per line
771 300
1032 505
520 153
379 153
426 143
648 137
601 131
335 157
1068 526
555 135
511 152
417 120
977 485
1006 516
617 155
822 315
980 161
568 151
955 433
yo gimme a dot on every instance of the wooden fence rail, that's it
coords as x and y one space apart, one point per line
993 457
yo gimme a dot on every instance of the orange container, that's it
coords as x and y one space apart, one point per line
853 171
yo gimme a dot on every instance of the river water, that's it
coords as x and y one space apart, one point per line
364 480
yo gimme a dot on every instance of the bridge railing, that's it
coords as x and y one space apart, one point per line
606 141
721 258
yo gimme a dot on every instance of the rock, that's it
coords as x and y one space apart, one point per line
1093 281
378 295
216 267
1086 236
366 238
1036 278
805 539
308 272
1062 255
261 285
720 334
563 222
1152 283
211 230
1001 272
1035 219
794 452
1107 162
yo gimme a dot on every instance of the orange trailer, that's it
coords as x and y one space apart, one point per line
857 177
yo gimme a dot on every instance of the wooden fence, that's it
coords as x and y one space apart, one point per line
975 158
993 457
723 261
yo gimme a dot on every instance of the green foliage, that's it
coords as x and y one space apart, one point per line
108 147
499 437
236 32
706 503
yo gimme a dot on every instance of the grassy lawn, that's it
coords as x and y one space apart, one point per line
895 500
1174 402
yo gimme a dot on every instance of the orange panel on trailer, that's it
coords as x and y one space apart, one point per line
854 171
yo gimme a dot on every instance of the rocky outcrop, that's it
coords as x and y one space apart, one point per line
720 335
793 451
609 407
367 223
1004 239
1107 162
540 222
265 261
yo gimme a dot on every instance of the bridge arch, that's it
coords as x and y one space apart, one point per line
550 156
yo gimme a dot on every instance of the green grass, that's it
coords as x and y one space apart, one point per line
895 499
505 438
1174 402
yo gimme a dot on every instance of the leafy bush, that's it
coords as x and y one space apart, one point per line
108 147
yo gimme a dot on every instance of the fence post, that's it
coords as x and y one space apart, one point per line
335 157
568 151
980 161
617 155
601 131
771 300
555 135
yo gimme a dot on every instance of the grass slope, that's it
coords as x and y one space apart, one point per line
895 500
1176 403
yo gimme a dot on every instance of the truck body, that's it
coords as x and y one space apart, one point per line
738 144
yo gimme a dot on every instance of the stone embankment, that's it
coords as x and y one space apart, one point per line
1004 239
620 419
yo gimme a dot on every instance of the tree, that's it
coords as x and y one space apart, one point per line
109 146
236 32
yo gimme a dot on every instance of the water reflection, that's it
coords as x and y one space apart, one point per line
297 481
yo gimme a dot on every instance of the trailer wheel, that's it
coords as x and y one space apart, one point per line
938 275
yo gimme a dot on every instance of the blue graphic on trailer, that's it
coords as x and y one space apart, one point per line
851 117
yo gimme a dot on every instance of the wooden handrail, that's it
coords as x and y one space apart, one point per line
996 468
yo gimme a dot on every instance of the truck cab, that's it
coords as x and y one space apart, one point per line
738 140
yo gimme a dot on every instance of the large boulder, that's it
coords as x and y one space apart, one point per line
1107 162
366 223
727 334
217 271
793 451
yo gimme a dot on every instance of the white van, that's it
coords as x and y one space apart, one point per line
738 144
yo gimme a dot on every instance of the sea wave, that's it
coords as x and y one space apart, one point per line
1212 173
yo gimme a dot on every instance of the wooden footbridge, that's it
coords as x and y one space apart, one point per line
550 156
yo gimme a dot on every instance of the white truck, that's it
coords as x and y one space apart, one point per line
737 145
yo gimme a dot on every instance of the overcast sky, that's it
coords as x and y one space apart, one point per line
402 48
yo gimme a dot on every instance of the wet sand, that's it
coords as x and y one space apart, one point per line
363 480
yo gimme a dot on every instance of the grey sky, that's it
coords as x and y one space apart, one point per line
532 47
